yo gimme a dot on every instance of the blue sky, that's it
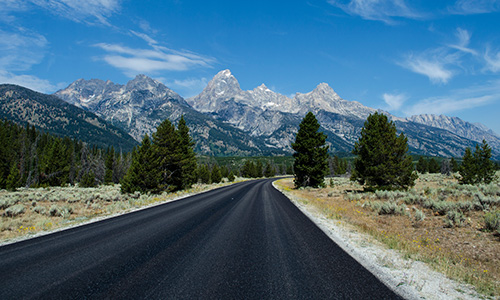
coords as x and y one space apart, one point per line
407 57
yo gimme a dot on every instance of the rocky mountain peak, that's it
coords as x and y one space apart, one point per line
143 82
262 88
323 89
222 82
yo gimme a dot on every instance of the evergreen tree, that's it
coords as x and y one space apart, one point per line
203 174
259 170
486 168
143 174
269 171
248 169
478 167
468 168
187 155
166 150
110 160
433 166
311 154
13 180
88 180
454 165
422 166
231 177
216 175
382 156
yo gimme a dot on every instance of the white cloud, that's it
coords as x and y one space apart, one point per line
133 61
431 66
458 100
29 81
492 62
394 101
442 63
377 10
21 49
463 42
470 7
88 11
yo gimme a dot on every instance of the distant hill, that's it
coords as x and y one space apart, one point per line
53 115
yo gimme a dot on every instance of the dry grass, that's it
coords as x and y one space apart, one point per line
417 223
28 212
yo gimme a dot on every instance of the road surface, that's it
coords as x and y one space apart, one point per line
245 241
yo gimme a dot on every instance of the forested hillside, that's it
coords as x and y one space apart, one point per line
31 158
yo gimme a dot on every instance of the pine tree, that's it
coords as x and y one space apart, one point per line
203 174
478 167
216 175
259 169
166 149
187 155
311 154
454 165
110 160
468 168
143 174
13 180
422 166
248 169
382 156
486 168
231 177
433 166
269 170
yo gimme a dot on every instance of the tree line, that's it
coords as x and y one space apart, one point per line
31 158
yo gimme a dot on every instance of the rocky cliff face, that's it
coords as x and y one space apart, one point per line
475 132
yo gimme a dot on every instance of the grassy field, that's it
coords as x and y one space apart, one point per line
28 212
454 228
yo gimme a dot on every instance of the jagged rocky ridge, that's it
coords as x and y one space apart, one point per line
225 120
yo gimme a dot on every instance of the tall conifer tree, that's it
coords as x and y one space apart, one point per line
143 174
383 161
311 154
187 155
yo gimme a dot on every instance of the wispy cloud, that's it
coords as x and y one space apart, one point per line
492 62
433 64
29 81
470 7
442 63
21 49
458 100
463 42
378 10
156 58
394 101
87 11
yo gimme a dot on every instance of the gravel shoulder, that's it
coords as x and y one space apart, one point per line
411 279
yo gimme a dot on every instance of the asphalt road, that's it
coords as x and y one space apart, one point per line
245 241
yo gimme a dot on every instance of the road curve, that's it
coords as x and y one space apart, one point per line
244 241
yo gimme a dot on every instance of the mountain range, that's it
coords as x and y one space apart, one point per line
53 115
226 120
